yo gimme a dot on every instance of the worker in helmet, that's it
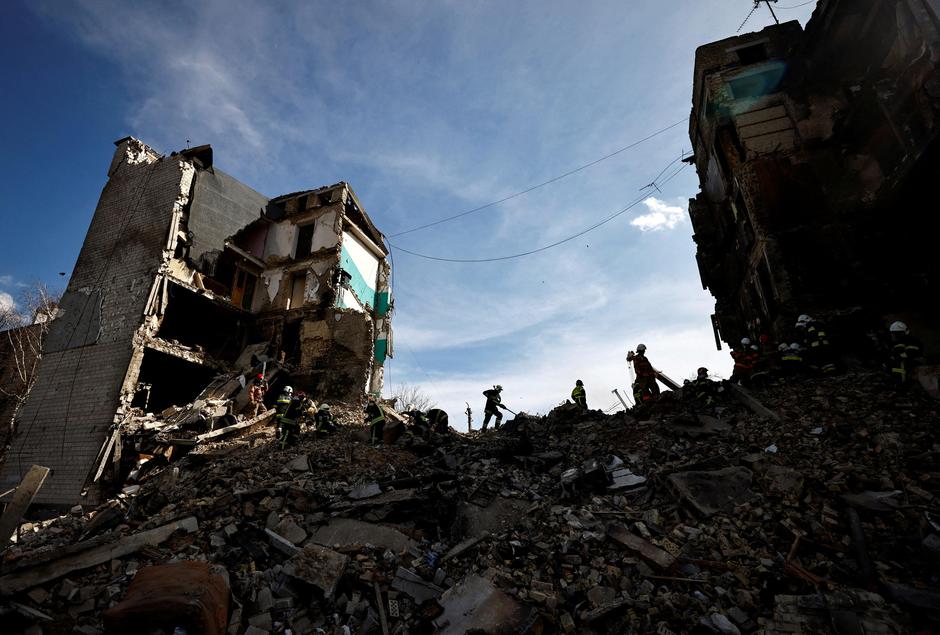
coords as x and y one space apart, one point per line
494 403
280 406
704 390
437 419
579 395
906 352
375 417
744 359
791 359
645 388
289 420
324 420
816 345
256 394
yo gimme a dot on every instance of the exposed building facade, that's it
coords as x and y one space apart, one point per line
816 153
183 269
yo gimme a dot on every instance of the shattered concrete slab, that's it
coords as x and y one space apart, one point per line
710 492
496 517
347 531
318 566
474 604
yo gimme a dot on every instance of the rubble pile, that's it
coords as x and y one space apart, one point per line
820 512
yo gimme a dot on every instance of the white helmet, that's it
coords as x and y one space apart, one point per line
745 341
795 347
641 348
898 327
803 320
288 390
782 347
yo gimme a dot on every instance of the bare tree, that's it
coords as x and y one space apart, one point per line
23 328
410 397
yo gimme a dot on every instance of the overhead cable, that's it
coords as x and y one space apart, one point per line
619 212
543 184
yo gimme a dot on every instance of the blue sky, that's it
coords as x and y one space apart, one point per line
426 109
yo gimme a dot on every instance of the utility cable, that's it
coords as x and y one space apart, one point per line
543 184
797 6
756 4
619 212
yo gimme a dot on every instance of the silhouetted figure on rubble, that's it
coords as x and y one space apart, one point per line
375 417
437 419
745 357
289 421
816 346
494 403
906 352
323 420
704 390
579 395
645 388
256 393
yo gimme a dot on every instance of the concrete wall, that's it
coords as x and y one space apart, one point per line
73 404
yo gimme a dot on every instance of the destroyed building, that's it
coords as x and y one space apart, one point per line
185 275
816 152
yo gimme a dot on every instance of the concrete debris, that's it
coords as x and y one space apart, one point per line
653 531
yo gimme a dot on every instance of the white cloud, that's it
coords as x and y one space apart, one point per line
661 216
6 301
6 280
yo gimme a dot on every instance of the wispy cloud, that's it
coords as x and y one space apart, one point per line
661 216
6 301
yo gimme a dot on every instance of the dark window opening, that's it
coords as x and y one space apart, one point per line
197 322
290 342
243 288
752 54
757 84
304 240
172 381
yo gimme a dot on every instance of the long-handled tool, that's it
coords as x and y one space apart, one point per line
512 411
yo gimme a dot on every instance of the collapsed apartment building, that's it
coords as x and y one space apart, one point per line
817 151
188 278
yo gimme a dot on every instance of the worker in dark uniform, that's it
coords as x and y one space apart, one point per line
704 390
493 406
375 417
906 353
437 419
645 388
579 395
791 359
290 422
419 423
323 420
744 359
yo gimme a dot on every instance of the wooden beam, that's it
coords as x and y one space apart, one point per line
648 550
244 425
51 570
22 498
748 400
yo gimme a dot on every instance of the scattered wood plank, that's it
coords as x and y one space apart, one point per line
381 605
464 546
748 400
22 498
648 550
32 576
221 432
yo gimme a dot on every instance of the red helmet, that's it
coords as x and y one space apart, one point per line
260 375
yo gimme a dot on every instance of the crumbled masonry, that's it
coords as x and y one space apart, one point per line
533 529
186 273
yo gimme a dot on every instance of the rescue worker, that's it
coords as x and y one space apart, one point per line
791 359
419 423
906 352
280 406
375 417
308 409
437 419
579 395
645 388
743 362
703 389
494 403
290 421
324 420
256 394
818 351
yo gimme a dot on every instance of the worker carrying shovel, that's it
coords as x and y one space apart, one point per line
493 406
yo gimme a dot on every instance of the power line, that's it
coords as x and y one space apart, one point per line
753 9
797 6
619 212
543 184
